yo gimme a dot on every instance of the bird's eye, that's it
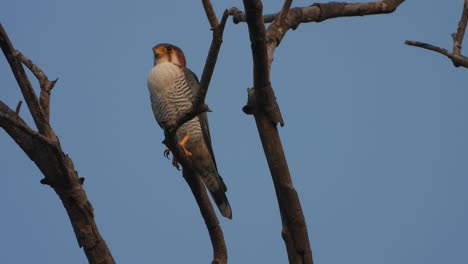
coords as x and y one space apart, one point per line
169 49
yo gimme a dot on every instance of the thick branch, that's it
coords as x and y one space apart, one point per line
44 149
458 37
60 174
264 94
320 12
291 18
262 103
25 85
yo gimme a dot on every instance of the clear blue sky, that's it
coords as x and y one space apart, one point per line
376 136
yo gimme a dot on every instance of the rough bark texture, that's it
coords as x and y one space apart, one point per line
267 116
44 149
321 12
262 102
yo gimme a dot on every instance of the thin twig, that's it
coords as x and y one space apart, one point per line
25 85
458 60
455 56
458 37
210 13
429 47
199 105
40 75
44 82
18 107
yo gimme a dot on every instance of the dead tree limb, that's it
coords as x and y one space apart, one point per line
210 13
44 149
262 104
455 56
198 107
320 12
25 85
283 21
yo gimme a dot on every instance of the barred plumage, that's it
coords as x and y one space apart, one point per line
171 96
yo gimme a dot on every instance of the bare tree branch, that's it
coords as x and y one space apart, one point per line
44 149
261 104
44 83
25 85
321 12
457 59
18 107
210 13
291 18
458 37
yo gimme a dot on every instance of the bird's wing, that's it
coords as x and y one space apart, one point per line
194 84
154 106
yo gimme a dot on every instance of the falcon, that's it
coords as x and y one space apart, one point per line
173 87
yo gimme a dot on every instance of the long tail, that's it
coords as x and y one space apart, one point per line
219 196
218 189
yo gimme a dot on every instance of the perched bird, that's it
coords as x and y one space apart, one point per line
172 88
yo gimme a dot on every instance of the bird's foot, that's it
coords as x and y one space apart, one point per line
175 162
167 151
182 145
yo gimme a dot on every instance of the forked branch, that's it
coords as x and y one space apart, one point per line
320 12
25 85
262 104
455 55
45 84
43 148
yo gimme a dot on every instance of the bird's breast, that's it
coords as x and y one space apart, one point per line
171 95
162 76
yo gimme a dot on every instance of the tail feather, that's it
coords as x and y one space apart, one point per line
214 183
222 202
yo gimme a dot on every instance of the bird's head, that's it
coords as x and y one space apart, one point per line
168 53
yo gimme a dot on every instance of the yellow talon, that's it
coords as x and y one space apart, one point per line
182 145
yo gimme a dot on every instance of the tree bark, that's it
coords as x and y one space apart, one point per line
262 104
44 149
